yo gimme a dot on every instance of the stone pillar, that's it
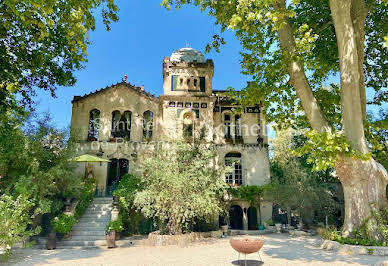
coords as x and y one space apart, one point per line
245 218
258 216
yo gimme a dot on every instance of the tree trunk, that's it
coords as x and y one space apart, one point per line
364 184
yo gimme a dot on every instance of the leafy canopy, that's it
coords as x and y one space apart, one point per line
43 42
181 186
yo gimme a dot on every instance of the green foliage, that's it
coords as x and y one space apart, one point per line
86 196
293 183
248 193
372 232
43 42
376 132
34 169
323 149
116 226
16 220
180 186
63 223
128 187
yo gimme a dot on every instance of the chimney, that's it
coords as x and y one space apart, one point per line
142 88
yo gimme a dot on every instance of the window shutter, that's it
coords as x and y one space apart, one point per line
174 82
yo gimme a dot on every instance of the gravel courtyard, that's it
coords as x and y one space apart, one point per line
278 250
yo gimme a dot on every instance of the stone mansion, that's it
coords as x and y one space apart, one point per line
121 121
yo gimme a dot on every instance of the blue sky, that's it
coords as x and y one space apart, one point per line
136 46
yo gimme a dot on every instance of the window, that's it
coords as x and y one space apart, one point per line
237 126
94 123
202 84
121 124
227 127
234 176
188 83
148 117
195 83
188 126
174 82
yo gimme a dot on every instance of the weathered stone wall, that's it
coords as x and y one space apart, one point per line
118 97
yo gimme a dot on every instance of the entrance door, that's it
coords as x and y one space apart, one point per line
116 169
236 217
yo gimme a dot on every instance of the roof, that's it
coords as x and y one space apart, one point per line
188 55
127 85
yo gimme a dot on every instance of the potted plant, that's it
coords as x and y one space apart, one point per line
51 241
63 224
113 230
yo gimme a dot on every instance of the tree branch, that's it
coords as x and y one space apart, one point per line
358 12
298 77
352 118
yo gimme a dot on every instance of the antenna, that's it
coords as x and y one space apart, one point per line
187 44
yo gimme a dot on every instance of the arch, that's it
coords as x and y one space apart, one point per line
94 124
121 124
188 125
234 176
236 217
148 120
252 218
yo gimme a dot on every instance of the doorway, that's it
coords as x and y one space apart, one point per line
116 169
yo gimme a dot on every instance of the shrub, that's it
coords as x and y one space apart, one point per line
86 197
63 224
116 226
15 221
324 233
180 185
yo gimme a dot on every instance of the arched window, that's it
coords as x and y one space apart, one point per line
234 175
188 126
148 118
121 124
94 124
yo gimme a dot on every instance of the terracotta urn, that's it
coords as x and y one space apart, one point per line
110 239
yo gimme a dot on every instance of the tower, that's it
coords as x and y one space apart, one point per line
187 72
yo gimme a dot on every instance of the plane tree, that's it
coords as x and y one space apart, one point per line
293 49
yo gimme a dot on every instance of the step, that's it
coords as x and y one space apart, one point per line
79 243
86 238
88 233
96 215
93 219
103 198
92 226
99 206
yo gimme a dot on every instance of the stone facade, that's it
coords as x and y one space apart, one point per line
122 122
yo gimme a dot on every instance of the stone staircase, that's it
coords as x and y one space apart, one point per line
90 229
